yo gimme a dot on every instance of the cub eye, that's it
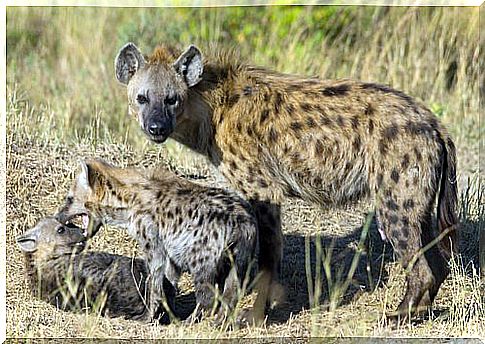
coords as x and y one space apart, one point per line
61 230
171 100
141 99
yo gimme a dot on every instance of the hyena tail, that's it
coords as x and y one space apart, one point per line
447 201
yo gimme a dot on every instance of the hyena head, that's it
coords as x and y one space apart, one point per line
50 238
85 196
157 88
99 195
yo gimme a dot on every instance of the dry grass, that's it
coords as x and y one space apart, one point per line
63 104
39 174
61 59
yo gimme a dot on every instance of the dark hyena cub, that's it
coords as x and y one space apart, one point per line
274 135
179 225
59 272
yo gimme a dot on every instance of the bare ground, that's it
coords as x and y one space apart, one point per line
38 176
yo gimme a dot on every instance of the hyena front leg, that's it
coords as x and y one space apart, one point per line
162 292
270 238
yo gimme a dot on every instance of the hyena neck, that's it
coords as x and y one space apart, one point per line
201 118
118 216
194 124
115 208
41 270
31 272
122 206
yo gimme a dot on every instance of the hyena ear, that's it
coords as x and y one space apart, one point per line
127 62
87 175
189 65
28 241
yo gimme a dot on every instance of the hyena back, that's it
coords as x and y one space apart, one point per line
179 226
274 135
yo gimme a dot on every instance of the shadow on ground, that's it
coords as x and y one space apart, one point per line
337 253
340 251
298 249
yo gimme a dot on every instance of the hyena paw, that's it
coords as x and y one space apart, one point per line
223 318
195 317
248 317
145 318
277 295
219 320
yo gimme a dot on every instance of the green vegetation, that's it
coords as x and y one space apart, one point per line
61 59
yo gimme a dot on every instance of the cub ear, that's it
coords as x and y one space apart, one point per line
128 61
28 241
87 176
189 65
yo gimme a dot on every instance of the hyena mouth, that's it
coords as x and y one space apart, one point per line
79 246
157 139
81 221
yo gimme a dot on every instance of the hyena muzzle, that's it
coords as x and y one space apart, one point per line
274 135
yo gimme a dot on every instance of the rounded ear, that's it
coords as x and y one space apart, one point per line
189 65
127 62
28 241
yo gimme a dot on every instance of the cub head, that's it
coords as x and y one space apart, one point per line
99 195
157 87
86 195
50 238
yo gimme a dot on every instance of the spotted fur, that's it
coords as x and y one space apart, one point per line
180 226
330 142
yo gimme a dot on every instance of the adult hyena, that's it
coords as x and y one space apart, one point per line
274 135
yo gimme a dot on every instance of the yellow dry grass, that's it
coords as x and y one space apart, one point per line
38 178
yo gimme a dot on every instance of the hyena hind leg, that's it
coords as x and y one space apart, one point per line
406 229
436 261
204 295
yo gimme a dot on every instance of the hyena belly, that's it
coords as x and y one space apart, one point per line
299 155
373 141
327 150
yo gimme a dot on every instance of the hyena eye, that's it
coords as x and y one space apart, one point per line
61 230
141 99
171 100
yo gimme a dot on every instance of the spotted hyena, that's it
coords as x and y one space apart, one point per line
180 227
59 271
274 135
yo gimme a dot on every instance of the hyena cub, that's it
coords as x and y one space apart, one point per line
180 226
61 273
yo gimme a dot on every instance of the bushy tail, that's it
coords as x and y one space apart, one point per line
447 201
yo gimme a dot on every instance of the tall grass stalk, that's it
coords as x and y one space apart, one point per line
61 59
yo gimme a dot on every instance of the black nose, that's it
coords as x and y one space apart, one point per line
156 129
